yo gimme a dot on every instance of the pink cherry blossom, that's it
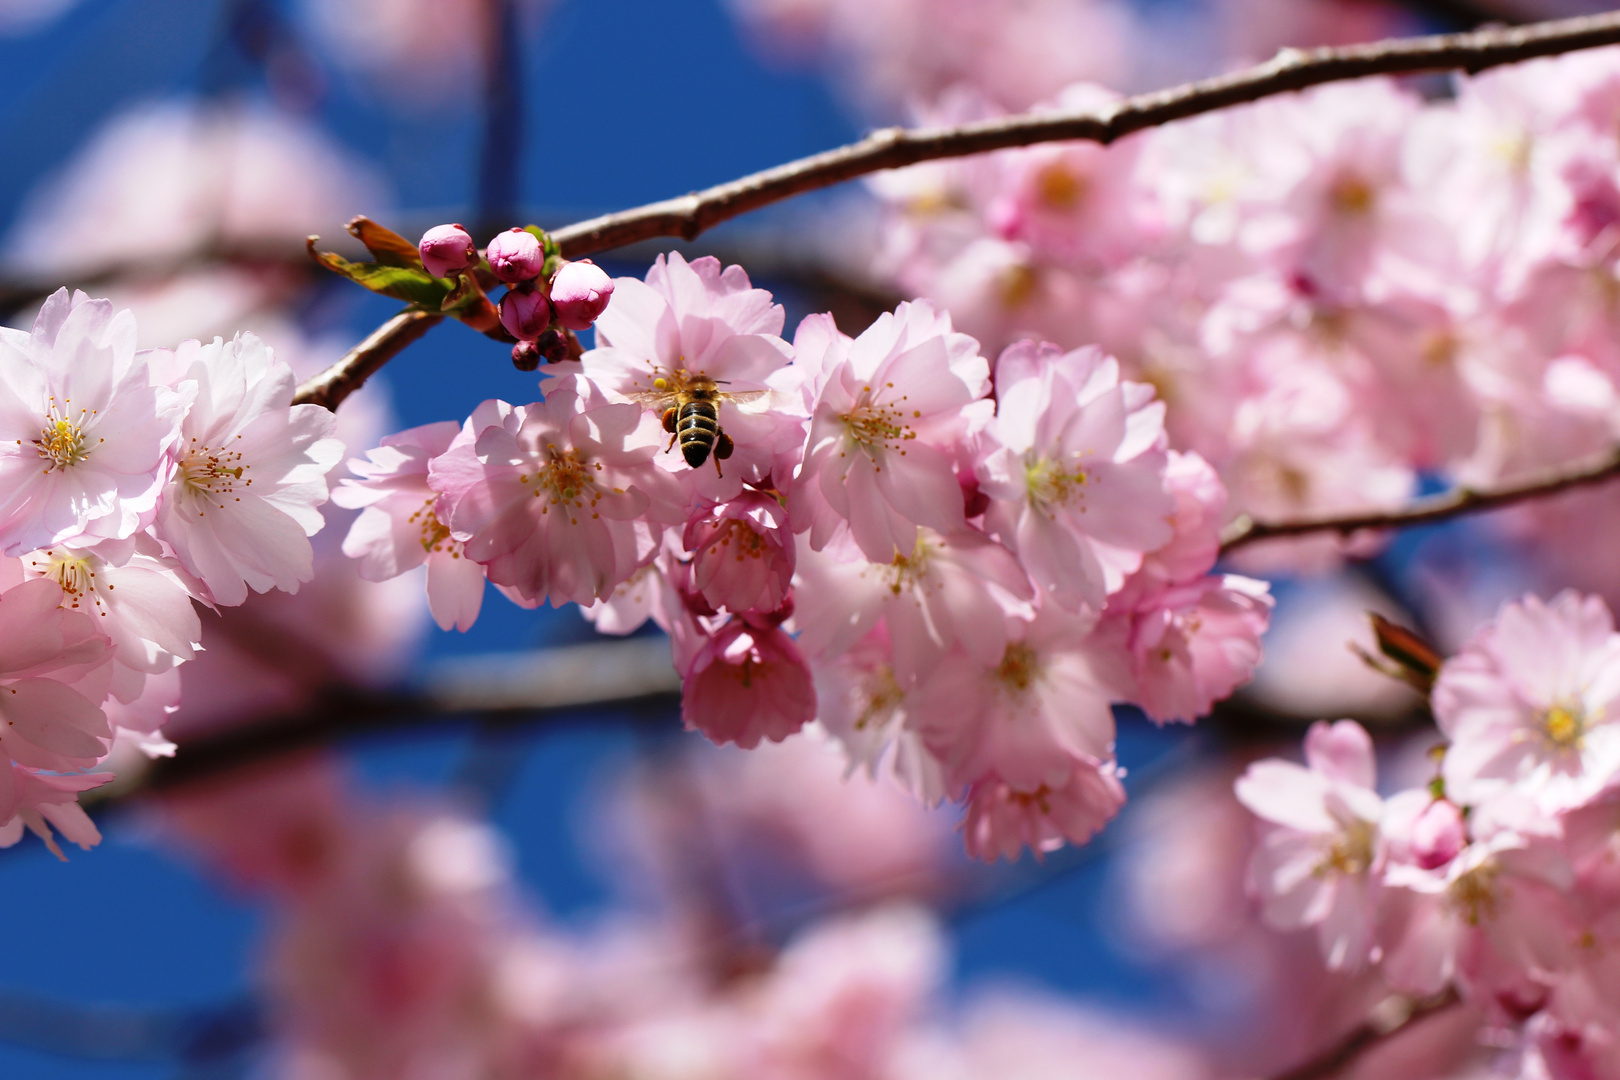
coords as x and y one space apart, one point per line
580 292
1002 820
242 499
399 527
949 590
1074 469
84 435
56 671
699 320
1025 714
1532 702
560 500
38 801
887 409
447 249
748 683
1193 645
1317 865
742 553
861 704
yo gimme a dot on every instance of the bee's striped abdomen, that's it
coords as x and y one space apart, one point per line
696 426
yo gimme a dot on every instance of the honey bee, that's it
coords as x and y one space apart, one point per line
691 411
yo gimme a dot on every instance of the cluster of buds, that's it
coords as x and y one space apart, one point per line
547 296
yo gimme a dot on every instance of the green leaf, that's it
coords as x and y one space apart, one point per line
410 284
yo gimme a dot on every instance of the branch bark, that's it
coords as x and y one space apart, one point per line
1246 530
892 148
1393 1016
330 387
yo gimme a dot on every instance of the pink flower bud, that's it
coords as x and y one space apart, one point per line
1438 834
526 356
580 292
446 249
515 255
525 313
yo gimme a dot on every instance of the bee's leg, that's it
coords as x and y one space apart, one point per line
669 426
723 446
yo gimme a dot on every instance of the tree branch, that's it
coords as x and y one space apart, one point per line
330 387
1246 530
1389 1018
892 148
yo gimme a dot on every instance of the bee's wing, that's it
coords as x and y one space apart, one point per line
655 400
750 401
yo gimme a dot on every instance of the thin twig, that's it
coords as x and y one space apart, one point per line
330 387
1246 530
1391 1017
891 148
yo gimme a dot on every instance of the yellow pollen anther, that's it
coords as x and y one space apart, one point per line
1564 726
1020 667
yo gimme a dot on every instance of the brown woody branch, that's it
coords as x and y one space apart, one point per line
892 148
330 387
1392 1016
1246 530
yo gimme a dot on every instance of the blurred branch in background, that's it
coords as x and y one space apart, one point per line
123 1033
891 148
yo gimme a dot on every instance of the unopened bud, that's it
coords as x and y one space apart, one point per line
1438 834
526 356
553 346
525 313
580 292
515 255
447 249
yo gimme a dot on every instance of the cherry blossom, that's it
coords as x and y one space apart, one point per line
1317 863
1002 820
41 800
399 527
1529 702
560 500
85 437
886 408
1076 474
748 683
241 503
742 553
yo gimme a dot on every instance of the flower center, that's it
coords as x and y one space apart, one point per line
1040 799
1020 667
1564 726
1059 188
566 480
882 696
1473 896
1350 853
749 544
61 441
878 423
435 534
1016 286
214 475
907 571
1352 195
74 573
1051 484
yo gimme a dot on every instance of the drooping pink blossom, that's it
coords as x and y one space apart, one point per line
955 589
1003 820
886 410
1024 714
1317 865
1193 645
85 436
560 500
742 553
250 475
55 668
399 527
748 683
39 800
1074 469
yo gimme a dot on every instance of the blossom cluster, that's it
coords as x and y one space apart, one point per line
1338 292
1499 876
958 585
134 484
